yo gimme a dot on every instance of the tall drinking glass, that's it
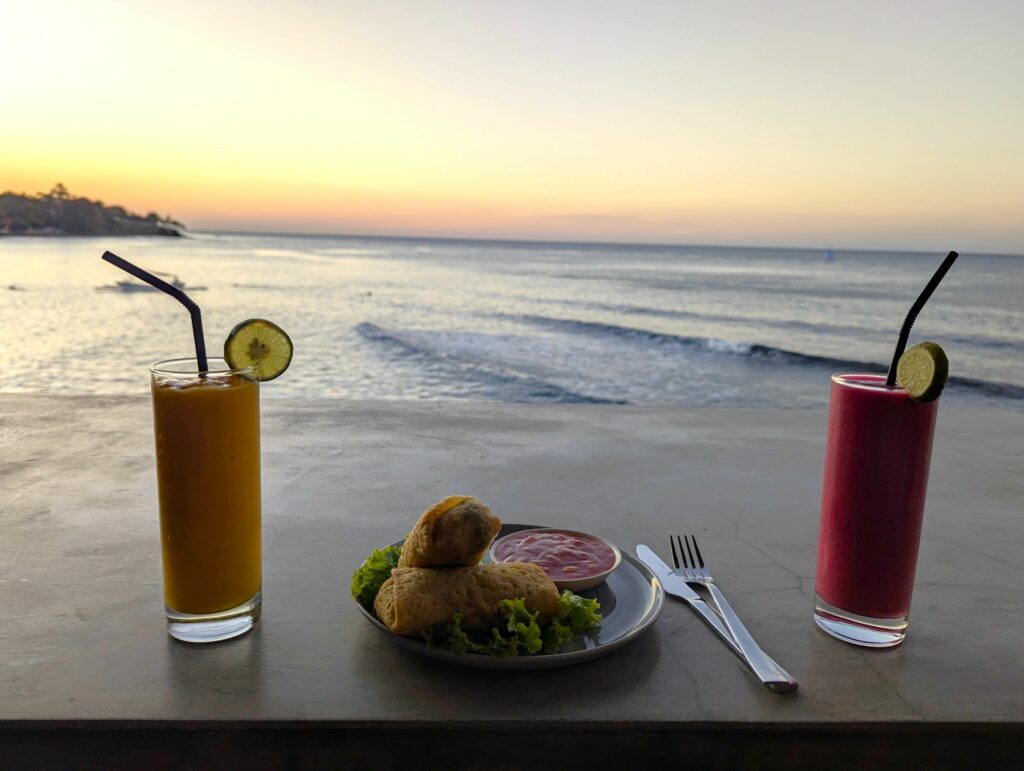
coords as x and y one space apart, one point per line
876 472
208 472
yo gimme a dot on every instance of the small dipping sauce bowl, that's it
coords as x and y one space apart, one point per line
572 559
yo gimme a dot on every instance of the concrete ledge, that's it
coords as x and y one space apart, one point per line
515 746
88 676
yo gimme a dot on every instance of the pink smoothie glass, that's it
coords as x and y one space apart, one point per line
876 472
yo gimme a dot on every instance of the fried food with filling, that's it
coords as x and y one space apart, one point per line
414 598
455 531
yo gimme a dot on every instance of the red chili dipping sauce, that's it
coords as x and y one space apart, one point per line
564 556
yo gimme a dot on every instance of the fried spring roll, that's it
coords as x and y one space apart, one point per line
414 598
455 531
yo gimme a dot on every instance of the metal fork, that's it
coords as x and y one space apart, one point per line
693 572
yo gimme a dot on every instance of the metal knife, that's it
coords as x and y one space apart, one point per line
677 587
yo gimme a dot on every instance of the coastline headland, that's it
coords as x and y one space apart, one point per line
58 213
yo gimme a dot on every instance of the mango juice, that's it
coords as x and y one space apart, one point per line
208 472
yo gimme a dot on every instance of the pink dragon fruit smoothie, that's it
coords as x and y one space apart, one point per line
876 473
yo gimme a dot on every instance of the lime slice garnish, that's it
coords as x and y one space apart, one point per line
260 344
923 370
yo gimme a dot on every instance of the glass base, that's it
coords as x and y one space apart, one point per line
859 630
214 627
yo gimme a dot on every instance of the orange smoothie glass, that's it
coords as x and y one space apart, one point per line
208 473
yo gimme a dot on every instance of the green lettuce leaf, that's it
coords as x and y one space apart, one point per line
367 580
452 637
575 614
519 633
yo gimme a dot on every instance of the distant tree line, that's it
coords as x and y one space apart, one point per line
60 213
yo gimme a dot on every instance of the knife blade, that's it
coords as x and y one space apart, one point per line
677 587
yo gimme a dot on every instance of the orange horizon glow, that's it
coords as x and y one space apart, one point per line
705 126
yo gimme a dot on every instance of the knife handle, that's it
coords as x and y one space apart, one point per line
768 671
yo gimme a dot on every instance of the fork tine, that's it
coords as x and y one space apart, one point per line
682 556
697 549
675 559
693 562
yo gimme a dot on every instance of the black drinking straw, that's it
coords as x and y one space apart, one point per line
901 345
177 294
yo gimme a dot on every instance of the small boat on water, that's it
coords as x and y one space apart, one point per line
128 285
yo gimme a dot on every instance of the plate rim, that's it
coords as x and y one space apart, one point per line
540 660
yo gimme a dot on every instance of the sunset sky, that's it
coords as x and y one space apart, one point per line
870 124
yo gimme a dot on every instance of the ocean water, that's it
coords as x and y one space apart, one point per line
512 321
